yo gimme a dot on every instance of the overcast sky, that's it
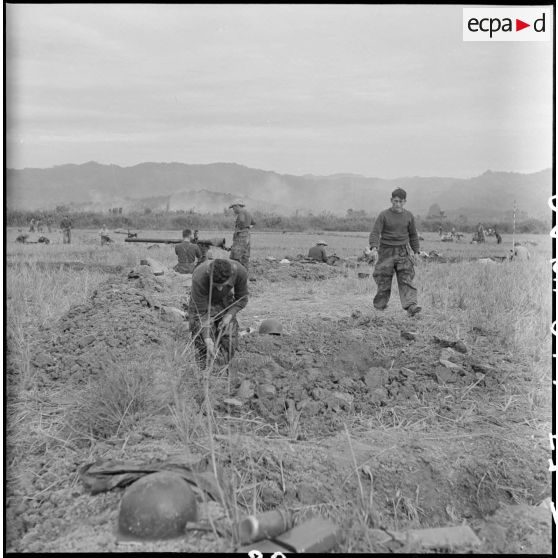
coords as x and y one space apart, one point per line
378 90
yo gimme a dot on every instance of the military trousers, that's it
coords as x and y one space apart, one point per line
227 339
240 249
394 260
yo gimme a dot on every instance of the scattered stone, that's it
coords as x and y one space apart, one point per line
157 268
345 399
410 335
460 347
43 360
307 494
266 390
379 395
233 402
87 340
448 354
450 365
245 391
408 373
443 342
174 314
444 376
375 377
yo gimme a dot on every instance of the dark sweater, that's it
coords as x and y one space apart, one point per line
395 229
317 253
234 294
187 253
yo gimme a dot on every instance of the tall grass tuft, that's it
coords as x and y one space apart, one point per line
111 404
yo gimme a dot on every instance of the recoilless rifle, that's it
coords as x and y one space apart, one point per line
203 243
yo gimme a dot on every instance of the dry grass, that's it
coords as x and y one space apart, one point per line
509 300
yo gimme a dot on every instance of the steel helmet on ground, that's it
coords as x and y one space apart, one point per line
157 506
271 327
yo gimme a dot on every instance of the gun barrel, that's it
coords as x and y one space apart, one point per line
219 242
155 240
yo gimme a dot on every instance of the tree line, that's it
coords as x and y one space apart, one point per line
353 221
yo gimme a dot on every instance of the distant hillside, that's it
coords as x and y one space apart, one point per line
211 188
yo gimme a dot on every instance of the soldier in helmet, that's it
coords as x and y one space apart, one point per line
240 249
318 252
219 292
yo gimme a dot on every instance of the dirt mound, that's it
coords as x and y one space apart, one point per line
297 268
329 371
122 316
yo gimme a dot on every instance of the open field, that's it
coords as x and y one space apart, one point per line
97 370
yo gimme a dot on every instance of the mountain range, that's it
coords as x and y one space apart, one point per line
212 187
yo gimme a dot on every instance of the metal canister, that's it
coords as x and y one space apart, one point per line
263 526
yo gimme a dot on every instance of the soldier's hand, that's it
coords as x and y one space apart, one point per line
210 345
224 323
373 255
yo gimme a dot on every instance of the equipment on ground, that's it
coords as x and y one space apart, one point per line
270 327
157 506
219 242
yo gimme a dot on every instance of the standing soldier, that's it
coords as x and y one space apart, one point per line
187 253
497 235
66 227
105 238
392 241
219 292
32 225
240 249
480 232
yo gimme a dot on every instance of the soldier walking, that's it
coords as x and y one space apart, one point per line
219 292
392 241
240 249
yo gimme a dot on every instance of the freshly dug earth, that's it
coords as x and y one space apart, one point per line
298 268
122 316
326 399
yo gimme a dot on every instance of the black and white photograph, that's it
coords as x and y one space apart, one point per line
278 278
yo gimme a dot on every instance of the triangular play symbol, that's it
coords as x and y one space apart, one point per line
519 25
